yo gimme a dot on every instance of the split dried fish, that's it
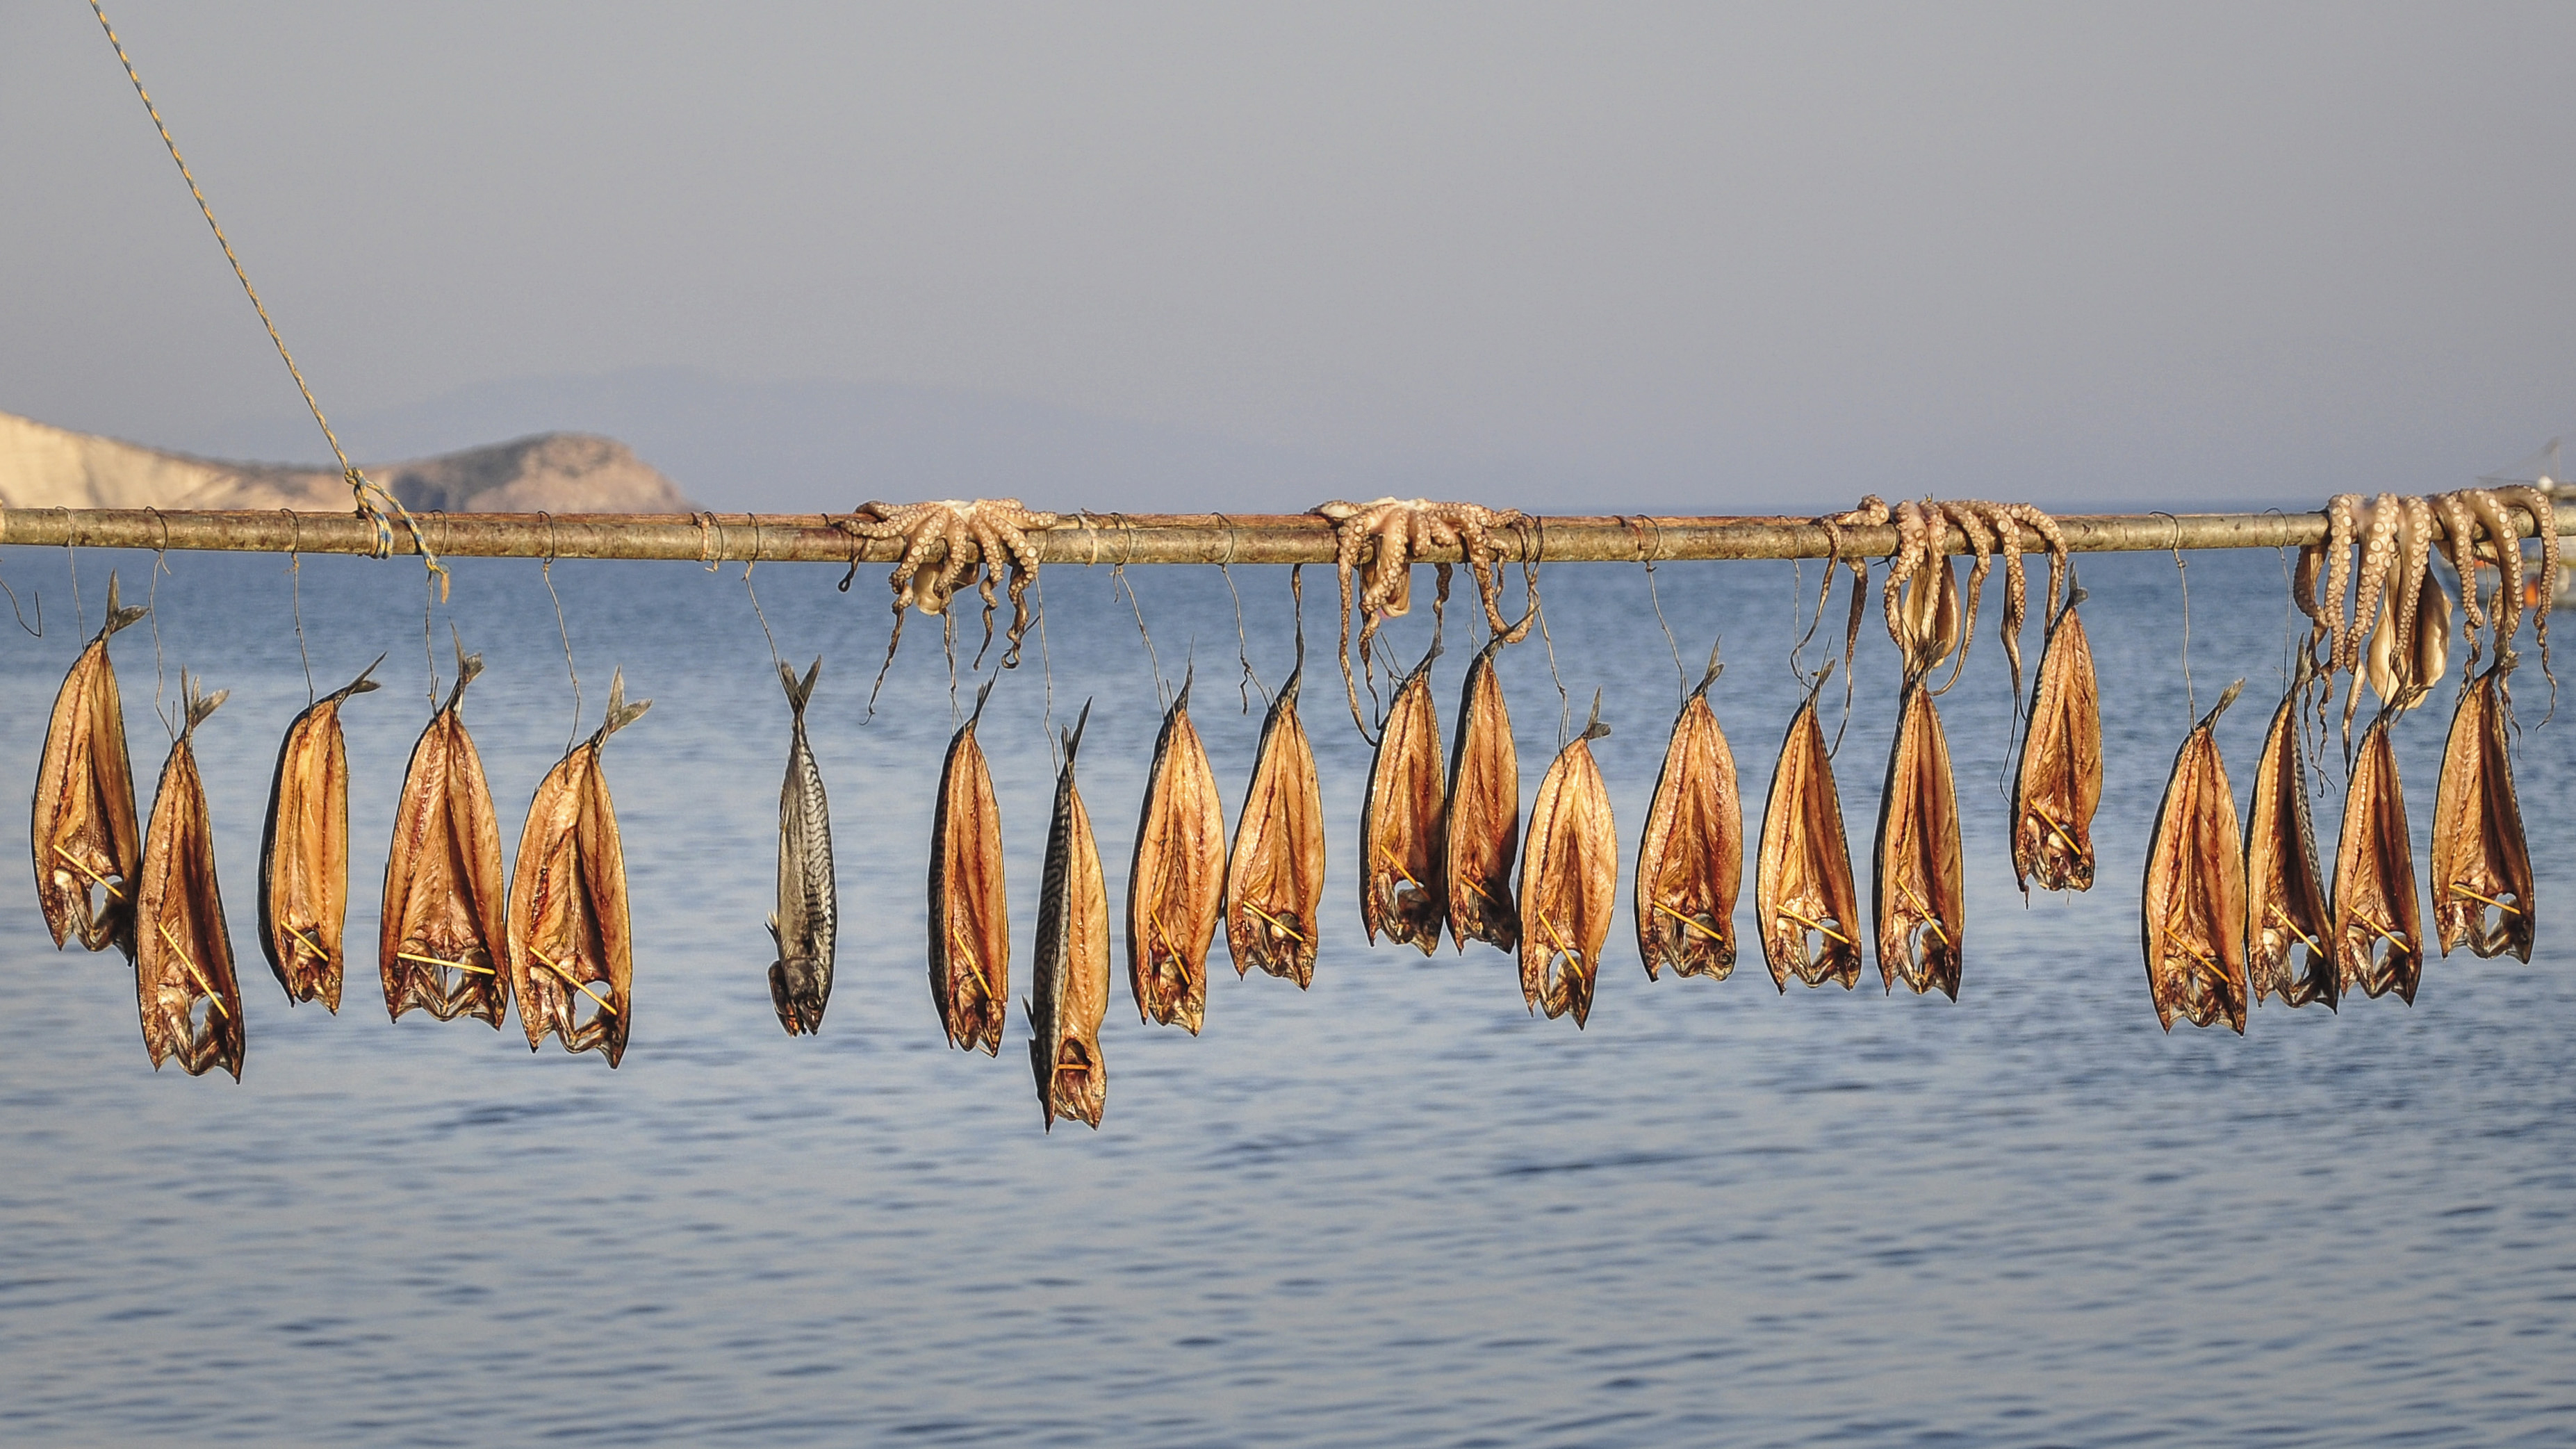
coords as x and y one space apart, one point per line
2378 929
569 931
2059 782
1403 823
970 912
808 919
1176 880
1690 859
2192 921
304 851
444 942
2480 859
1802 883
1274 886
2285 903
83 826
183 954
1071 992
1482 826
1569 880
1918 904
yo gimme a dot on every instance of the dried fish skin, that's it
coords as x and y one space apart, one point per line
1070 994
304 851
443 942
2285 901
2192 917
183 954
1690 857
805 928
83 824
970 912
2378 928
2058 784
1481 831
1176 879
1569 880
1404 821
1274 884
569 932
2480 858
1917 899
1802 883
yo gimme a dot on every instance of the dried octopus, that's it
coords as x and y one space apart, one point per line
948 545
1380 540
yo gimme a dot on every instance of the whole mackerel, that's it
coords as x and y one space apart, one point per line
1069 992
800 980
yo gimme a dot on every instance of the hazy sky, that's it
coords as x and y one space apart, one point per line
1663 255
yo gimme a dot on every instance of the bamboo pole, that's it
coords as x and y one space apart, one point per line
1088 538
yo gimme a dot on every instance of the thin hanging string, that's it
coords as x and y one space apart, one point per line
2289 611
71 556
365 490
547 572
428 651
295 577
1242 645
2182 570
1564 701
151 609
758 613
1118 580
1681 674
1046 663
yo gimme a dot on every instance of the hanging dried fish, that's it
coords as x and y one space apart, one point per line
84 827
304 851
569 932
1569 880
2480 858
2378 937
1176 882
183 953
1403 822
2285 905
2059 781
1071 993
1918 904
1482 827
1274 886
1802 883
2192 920
807 922
970 912
444 941
1690 859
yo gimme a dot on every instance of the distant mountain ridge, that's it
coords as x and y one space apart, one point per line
48 467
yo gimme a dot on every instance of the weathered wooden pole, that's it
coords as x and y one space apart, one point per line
1084 538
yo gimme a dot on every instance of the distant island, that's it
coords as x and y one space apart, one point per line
49 467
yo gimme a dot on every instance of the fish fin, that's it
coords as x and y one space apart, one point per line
1073 736
118 618
620 713
981 695
360 685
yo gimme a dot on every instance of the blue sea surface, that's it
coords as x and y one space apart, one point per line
1394 1209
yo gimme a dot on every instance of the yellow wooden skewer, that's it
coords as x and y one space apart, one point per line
1691 922
1400 870
309 941
83 867
1548 924
1929 918
2392 937
572 981
2461 890
452 965
1815 925
957 936
1275 923
2060 829
2278 914
205 987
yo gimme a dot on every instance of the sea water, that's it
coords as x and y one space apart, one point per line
1394 1209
